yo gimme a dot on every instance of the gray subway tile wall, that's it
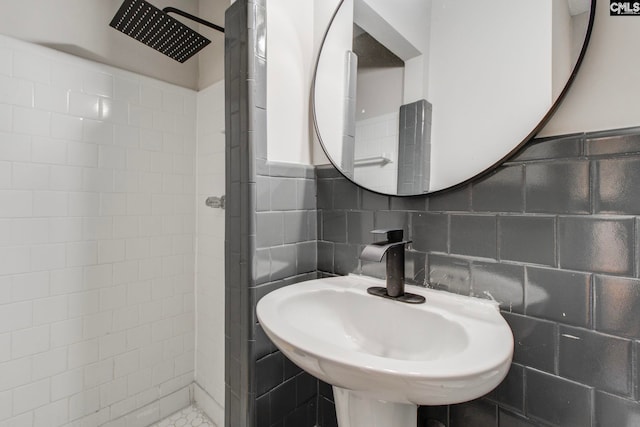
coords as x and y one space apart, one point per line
557 401
430 232
503 282
564 147
604 245
508 419
559 295
449 273
473 235
581 353
616 141
510 393
636 352
616 191
237 253
529 239
614 411
535 343
270 238
616 306
500 191
359 226
286 252
455 200
542 193
473 414
553 236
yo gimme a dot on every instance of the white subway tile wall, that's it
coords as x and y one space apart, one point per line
210 288
97 243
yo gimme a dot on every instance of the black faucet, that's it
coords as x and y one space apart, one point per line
393 247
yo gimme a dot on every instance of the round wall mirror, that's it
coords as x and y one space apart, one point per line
416 96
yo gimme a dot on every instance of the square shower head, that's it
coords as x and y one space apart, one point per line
151 26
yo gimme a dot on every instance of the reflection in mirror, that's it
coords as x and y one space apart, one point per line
415 96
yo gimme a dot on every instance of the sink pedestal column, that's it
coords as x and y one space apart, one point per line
356 410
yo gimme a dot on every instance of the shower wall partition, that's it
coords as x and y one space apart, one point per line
98 221
210 310
271 234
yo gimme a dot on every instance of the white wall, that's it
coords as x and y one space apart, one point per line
210 180
603 95
330 90
562 38
81 27
96 242
211 59
579 25
322 12
289 72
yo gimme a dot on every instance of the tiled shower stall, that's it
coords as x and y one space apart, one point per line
105 243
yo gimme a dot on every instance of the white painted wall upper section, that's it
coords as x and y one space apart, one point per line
322 12
289 73
332 88
562 39
211 59
209 271
601 96
81 27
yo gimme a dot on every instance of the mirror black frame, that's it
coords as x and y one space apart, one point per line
491 168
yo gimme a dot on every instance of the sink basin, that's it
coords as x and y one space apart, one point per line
375 351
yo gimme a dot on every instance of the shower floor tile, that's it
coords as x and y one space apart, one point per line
188 417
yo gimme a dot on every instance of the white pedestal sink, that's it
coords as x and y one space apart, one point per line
385 357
